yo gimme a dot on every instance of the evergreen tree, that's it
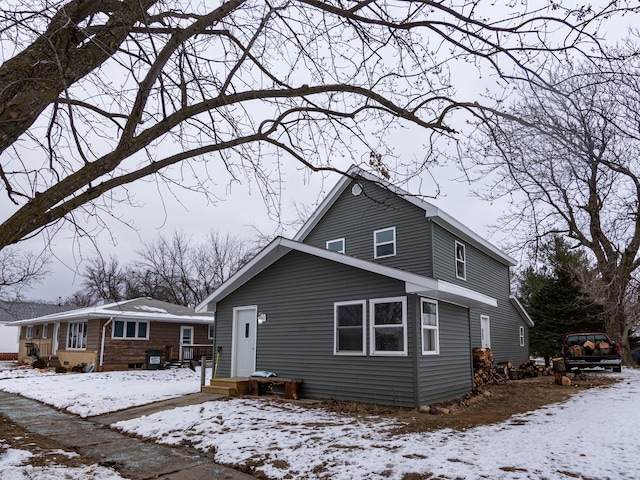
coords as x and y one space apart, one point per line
554 299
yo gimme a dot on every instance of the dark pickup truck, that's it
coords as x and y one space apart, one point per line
588 350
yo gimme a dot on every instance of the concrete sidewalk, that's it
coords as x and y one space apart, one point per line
131 457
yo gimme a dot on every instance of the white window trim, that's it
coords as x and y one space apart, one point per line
28 333
522 336
45 330
463 261
486 342
210 331
124 330
85 328
344 245
376 245
363 303
372 327
424 327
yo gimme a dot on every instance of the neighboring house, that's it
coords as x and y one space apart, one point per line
12 311
117 336
380 298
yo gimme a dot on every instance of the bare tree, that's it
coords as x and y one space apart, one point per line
98 94
567 153
173 269
19 271
103 280
216 259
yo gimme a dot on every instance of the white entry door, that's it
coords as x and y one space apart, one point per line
245 324
485 331
54 339
186 340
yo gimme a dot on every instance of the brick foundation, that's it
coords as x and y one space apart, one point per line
4 357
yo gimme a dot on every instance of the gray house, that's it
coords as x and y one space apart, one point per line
381 297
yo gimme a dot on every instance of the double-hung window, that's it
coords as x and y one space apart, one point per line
429 322
349 321
336 245
45 330
29 332
461 261
384 242
77 336
130 330
388 319
210 332
522 336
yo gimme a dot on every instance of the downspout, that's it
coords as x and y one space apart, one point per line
104 329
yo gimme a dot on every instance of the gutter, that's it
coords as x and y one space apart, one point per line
104 330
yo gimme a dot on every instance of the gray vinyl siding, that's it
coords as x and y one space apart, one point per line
298 293
490 277
355 218
448 374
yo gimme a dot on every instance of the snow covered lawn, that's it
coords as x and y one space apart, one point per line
89 394
593 435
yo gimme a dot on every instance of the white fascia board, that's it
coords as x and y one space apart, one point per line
326 204
154 317
521 310
268 255
449 223
431 211
451 293
414 283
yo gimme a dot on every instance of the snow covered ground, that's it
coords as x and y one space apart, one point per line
96 393
593 435
12 467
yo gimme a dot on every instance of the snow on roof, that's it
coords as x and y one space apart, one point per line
137 308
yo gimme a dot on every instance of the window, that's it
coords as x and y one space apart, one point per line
29 332
130 329
349 335
388 326
485 331
384 242
522 336
45 331
336 245
429 322
461 261
211 332
77 336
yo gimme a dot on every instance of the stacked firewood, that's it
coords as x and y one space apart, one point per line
529 368
483 371
590 348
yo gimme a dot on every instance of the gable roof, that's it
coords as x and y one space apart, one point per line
279 247
521 311
143 308
432 212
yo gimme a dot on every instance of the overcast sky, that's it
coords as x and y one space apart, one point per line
240 213
243 209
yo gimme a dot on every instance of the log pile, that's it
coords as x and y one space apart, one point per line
590 348
483 371
530 369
